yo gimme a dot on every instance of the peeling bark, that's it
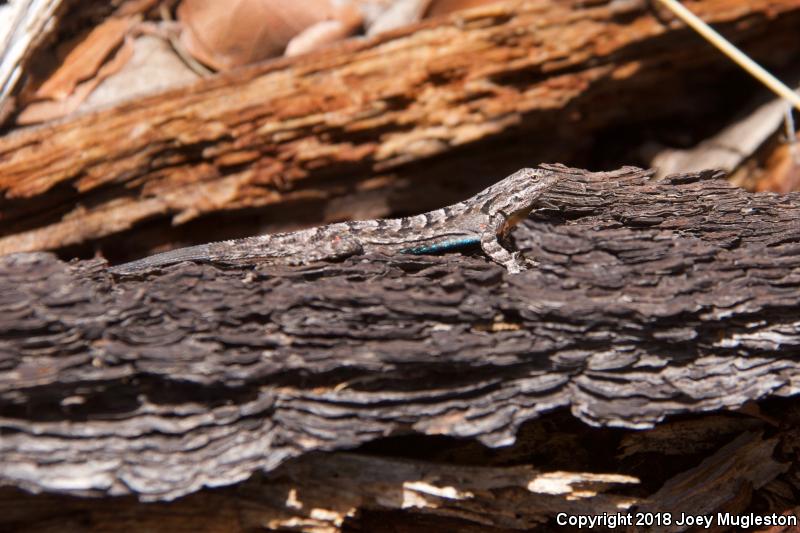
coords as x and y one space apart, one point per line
341 128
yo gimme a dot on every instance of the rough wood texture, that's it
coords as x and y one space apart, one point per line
305 134
459 486
651 299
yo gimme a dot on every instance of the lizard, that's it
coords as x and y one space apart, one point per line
485 219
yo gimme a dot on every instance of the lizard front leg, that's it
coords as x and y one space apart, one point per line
490 243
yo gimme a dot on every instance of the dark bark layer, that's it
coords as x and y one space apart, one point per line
352 132
650 299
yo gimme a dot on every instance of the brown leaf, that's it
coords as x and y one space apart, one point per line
441 7
782 172
229 34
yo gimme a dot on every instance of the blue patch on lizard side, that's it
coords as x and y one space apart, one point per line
442 246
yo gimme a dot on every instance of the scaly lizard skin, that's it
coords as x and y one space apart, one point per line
484 219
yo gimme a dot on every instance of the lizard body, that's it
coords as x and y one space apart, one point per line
484 219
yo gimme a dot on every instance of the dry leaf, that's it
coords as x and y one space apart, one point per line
441 7
317 35
782 172
229 34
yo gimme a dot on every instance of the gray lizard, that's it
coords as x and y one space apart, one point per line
484 219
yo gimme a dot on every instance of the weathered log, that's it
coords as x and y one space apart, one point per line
651 298
460 486
340 128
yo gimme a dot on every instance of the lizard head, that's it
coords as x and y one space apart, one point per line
515 196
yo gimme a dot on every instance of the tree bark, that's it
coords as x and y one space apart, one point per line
651 299
353 132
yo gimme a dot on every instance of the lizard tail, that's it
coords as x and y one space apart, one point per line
192 253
